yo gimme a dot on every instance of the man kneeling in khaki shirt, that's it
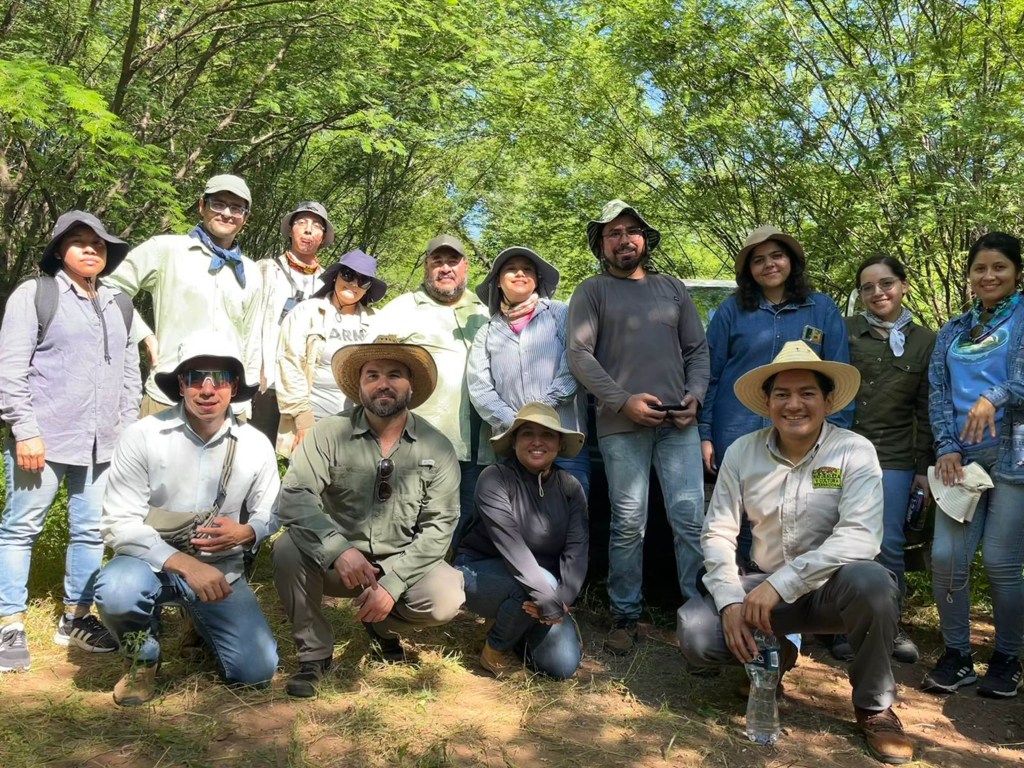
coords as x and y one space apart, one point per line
370 502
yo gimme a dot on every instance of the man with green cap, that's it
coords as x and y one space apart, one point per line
637 343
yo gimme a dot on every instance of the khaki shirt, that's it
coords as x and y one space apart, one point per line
329 499
808 519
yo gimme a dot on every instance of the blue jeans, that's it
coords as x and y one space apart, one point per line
129 594
676 456
469 473
579 467
29 496
492 592
896 485
998 525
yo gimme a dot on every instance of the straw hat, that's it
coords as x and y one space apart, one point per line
545 416
223 345
348 362
960 500
763 234
797 356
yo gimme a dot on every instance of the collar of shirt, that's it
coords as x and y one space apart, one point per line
177 420
771 443
361 425
785 305
468 298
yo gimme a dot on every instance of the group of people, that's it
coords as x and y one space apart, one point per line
436 454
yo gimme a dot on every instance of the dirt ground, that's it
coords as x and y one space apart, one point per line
644 711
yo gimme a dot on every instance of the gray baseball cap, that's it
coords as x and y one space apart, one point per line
225 182
447 241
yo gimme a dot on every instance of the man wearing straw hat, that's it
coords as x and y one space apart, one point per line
813 494
370 502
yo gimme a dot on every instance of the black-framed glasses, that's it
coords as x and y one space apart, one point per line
350 276
618 234
197 378
220 206
382 485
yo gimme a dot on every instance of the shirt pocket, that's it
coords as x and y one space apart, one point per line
821 517
665 310
903 379
349 497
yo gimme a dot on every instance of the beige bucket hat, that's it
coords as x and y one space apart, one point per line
960 500
545 416
760 235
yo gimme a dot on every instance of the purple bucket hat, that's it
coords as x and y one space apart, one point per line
361 264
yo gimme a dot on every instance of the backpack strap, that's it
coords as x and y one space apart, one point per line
124 303
46 305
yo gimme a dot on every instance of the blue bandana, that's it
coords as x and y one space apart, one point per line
221 256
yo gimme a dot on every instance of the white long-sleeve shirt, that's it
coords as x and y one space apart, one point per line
807 519
280 283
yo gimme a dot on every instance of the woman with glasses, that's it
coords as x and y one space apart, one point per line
520 355
524 556
337 315
891 352
976 406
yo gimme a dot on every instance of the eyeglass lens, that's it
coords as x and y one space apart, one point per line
349 276
197 378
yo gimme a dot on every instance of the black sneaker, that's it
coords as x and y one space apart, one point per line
85 632
1003 677
903 648
304 682
841 648
389 649
954 669
14 648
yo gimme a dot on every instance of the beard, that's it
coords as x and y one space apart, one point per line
386 409
444 295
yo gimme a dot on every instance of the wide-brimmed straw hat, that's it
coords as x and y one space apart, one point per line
361 264
117 248
489 290
222 345
545 416
348 362
762 234
317 209
797 356
611 211
960 500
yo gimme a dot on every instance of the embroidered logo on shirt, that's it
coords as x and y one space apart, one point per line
812 335
827 477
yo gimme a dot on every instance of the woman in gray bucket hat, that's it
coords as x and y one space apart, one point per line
69 385
520 355
337 315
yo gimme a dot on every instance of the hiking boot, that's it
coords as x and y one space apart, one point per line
389 649
788 655
137 686
841 648
953 670
303 684
884 734
84 632
14 648
622 638
499 663
1003 677
903 648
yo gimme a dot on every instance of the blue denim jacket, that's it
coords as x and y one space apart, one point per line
1009 395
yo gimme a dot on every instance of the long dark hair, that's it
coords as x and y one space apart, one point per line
1008 245
797 287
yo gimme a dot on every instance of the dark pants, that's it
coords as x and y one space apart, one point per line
265 415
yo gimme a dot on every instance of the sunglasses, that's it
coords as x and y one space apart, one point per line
381 487
349 276
197 378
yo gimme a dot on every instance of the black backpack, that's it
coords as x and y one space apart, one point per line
47 296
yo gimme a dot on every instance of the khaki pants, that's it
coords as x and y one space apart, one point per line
434 599
151 407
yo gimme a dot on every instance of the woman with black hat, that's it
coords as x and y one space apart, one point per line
520 355
337 315
69 384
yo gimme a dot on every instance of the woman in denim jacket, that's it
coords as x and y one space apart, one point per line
976 407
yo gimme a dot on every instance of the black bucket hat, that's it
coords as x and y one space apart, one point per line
489 290
361 264
117 248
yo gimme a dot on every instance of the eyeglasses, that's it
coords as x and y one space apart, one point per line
979 330
313 222
220 206
618 234
349 276
885 285
197 378
381 487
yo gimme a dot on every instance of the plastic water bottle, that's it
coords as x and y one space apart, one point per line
762 709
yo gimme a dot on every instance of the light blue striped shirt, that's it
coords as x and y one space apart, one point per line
507 370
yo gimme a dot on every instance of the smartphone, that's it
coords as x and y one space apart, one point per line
668 407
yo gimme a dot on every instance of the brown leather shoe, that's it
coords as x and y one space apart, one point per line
499 663
884 734
136 687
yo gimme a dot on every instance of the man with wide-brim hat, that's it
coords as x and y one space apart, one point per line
636 342
813 494
194 467
288 280
369 505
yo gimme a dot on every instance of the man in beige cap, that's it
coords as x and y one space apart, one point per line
443 317
199 282
813 494
369 505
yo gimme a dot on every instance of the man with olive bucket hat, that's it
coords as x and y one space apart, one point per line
69 385
192 467
813 494
369 505
637 343
288 280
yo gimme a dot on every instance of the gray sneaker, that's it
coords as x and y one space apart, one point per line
14 648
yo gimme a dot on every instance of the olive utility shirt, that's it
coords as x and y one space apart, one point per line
891 408
329 498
